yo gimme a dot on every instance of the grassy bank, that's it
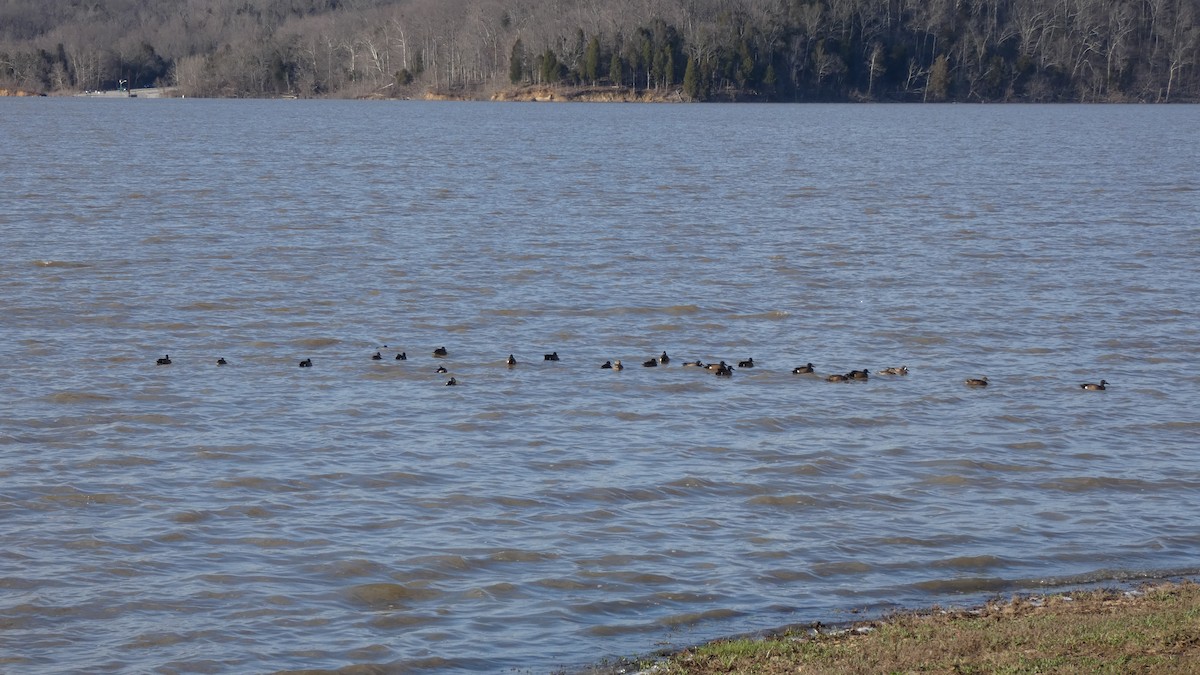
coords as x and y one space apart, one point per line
1155 629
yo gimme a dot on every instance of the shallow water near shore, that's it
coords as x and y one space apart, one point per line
260 517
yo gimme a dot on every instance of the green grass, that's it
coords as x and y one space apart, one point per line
1154 631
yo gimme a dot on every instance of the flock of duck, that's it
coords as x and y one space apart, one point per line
721 369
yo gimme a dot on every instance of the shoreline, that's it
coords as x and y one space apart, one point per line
997 609
547 94
144 92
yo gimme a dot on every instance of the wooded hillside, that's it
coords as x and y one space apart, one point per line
780 50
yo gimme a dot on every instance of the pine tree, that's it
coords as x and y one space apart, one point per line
745 72
551 68
591 61
691 80
516 70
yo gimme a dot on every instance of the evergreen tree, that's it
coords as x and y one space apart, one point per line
645 54
659 68
615 69
591 61
691 80
61 56
516 69
745 71
551 68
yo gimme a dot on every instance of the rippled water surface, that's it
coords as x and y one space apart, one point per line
259 517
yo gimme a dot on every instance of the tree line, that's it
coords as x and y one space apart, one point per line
771 50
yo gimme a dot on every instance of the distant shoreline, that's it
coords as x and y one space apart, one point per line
19 93
523 94
144 92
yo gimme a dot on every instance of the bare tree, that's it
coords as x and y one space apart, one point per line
989 49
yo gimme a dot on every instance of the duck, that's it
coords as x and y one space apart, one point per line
801 370
859 374
377 356
164 361
664 359
451 382
716 366
441 369
440 351
902 370
977 381
402 356
221 361
553 356
748 363
1092 386
607 364
306 363
724 370
511 361
693 364
652 363
617 365
837 378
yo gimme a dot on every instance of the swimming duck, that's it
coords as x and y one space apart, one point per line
440 351
306 363
977 382
1092 386
748 363
511 361
715 366
837 378
617 365
801 370
451 382
693 364
221 361
402 356
664 359
902 370
550 357
859 374
441 369
652 363
377 356
164 361
724 370
607 364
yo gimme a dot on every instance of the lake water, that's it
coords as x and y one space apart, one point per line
261 517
